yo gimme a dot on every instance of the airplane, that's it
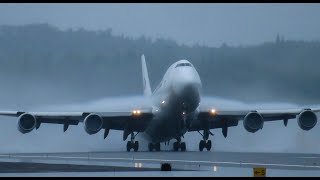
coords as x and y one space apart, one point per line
175 110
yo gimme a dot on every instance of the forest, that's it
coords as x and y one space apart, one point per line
40 60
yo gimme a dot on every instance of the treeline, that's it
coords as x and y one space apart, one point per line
39 60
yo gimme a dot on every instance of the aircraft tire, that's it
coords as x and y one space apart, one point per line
157 146
201 145
150 147
208 145
183 146
128 146
175 146
136 146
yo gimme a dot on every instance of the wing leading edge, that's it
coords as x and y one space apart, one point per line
253 120
135 121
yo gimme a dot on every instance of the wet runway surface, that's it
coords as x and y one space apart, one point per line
22 167
179 160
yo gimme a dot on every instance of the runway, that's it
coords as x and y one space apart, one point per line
178 160
25 167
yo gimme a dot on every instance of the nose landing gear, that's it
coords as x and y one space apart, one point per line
155 146
179 145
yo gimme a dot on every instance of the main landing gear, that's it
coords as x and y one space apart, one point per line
179 145
205 143
132 144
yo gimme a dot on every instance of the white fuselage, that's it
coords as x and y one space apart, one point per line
175 101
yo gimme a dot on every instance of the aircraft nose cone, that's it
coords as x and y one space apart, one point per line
186 91
184 85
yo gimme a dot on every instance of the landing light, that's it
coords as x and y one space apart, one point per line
136 112
163 102
213 111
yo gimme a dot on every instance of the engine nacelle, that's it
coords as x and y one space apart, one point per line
253 121
27 122
307 120
93 123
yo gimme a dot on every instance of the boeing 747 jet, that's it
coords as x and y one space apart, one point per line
175 110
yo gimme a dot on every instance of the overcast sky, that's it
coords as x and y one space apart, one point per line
206 24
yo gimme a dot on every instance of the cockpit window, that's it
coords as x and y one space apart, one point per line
178 65
183 64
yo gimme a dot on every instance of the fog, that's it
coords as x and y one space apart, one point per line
87 58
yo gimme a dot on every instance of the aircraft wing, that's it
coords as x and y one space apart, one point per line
213 119
128 121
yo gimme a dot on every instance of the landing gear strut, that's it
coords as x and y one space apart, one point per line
133 144
205 143
179 144
155 146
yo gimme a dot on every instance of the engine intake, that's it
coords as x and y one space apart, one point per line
252 122
307 120
26 123
93 123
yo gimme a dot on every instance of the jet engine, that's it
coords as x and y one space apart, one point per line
252 122
93 123
307 120
26 123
